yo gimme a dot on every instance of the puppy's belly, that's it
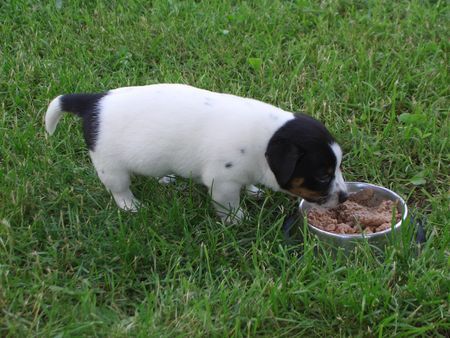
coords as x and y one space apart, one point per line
165 165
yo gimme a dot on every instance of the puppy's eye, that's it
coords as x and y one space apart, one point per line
324 179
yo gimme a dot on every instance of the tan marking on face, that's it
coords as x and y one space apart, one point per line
296 188
297 181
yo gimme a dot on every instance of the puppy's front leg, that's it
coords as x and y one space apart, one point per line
226 199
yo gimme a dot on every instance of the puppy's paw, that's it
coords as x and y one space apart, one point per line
168 179
134 207
130 206
254 191
233 217
127 202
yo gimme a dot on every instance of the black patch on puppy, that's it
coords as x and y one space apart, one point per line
228 165
301 149
85 106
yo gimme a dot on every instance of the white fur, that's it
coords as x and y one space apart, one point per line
164 129
53 115
338 185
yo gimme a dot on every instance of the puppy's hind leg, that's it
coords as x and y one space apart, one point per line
168 179
117 181
254 191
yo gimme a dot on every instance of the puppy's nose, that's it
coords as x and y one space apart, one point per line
342 196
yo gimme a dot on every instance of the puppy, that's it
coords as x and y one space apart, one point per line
224 141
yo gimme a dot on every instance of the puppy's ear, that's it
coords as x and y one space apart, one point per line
282 157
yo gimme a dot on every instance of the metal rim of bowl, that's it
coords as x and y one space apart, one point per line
362 235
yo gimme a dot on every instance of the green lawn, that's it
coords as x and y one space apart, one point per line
71 264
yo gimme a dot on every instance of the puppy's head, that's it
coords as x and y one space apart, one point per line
305 160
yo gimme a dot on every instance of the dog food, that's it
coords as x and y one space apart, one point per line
362 212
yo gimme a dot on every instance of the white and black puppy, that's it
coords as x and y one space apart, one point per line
224 141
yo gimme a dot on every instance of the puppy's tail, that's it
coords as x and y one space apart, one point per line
83 105
53 114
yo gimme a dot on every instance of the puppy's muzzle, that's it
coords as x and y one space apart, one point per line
342 196
330 200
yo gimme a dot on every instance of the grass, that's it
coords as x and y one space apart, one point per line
71 264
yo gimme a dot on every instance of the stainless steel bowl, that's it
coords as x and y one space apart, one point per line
349 241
